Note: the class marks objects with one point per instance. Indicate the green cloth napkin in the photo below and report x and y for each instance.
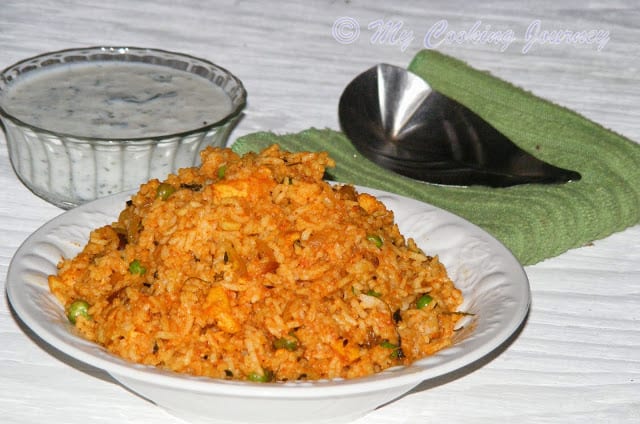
(534, 221)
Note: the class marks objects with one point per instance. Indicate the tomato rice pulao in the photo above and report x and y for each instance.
(254, 268)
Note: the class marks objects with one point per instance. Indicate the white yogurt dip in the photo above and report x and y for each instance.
(114, 118)
(116, 100)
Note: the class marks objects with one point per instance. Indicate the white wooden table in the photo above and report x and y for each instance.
(578, 357)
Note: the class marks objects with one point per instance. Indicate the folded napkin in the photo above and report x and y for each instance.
(534, 221)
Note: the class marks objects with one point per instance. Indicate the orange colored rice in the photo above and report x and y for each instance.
(255, 268)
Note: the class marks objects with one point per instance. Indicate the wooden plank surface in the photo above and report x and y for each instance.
(577, 358)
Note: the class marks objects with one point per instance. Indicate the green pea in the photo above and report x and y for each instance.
(289, 343)
(264, 377)
(423, 301)
(76, 309)
(374, 293)
(221, 171)
(376, 239)
(135, 267)
(396, 351)
(165, 190)
(388, 345)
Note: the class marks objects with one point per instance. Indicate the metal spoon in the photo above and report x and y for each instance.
(396, 120)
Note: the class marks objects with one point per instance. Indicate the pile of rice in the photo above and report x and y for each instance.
(254, 268)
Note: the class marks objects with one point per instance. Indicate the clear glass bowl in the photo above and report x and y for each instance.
(68, 170)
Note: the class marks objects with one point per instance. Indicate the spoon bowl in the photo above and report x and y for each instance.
(395, 119)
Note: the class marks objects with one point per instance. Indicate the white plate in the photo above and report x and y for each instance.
(494, 285)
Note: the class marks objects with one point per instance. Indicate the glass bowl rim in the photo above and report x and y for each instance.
(124, 50)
